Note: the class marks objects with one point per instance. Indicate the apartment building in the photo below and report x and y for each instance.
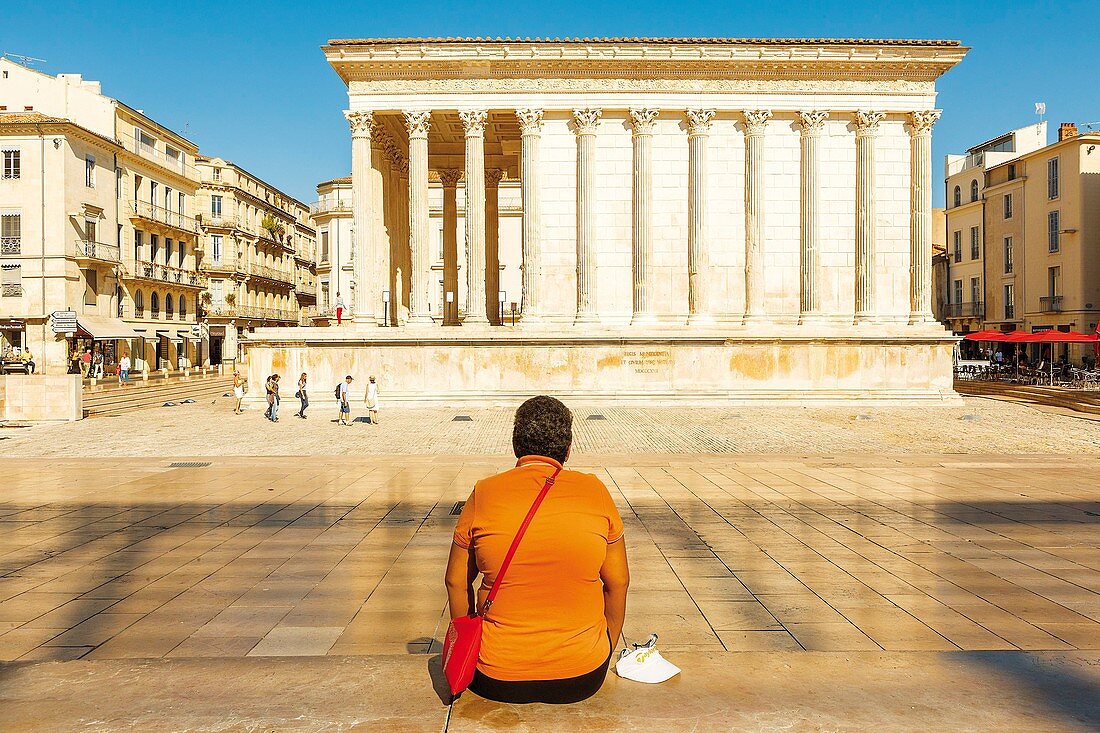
(259, 253)
(95, 215)
(1038, 218)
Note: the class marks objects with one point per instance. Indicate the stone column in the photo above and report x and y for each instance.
(417, 123)
(809, 262)
(643, 121)
(449, 177)
(920, 205)
(530, 125)
(755, 123)
(587, 121)
(362, 197)
(699, 308)
(473, 121)
(492, 242)
(867, 123)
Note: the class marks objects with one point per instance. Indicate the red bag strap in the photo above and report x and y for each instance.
(516, 540)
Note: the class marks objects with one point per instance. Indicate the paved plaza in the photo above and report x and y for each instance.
(967, 587)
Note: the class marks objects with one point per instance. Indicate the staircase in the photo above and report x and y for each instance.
(112, 398)
(1087, 402)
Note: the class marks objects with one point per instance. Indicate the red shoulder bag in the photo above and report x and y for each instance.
(463, 642)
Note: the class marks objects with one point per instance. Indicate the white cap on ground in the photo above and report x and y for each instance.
(645, 664)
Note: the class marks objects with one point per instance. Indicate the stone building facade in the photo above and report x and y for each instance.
(729, 218)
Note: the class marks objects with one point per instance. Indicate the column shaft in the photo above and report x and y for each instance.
(362, 197)
(417, 123)
(698, 255)
(492, 243)
(755, 123)
(474, 123)
(643, 121)
(450, 177)
(587, 120)
(866, 255)
(530, 121)
(920, 203)
(809, 261)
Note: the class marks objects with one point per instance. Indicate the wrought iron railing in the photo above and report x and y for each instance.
(98, 250)
(966, 310)
(167, 273)
(159, 214)
(11, 245)
(326, 205)
(1050, 304)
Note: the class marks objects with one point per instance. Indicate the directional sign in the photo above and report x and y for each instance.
(63, 321)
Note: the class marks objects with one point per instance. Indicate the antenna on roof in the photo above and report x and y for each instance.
(27, 61)
(1041, 110)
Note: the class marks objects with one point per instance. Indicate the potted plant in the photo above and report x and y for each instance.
(230, 298)
(274, 227)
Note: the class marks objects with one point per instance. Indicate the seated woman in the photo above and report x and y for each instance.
(550, 633)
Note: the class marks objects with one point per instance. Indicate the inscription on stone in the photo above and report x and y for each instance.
(648, 362)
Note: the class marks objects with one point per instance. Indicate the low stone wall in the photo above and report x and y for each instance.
(41, 397)
(684, 367)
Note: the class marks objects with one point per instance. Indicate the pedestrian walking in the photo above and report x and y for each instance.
(238, 391)
(345, 404)
(273, 398)
(302, 396)
(339, 309)
(124, 369)
(86, 363)
(97, 365)
(372, 401)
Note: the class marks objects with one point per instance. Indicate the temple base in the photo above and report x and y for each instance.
(619, 366)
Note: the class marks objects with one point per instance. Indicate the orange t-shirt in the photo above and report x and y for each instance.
(547, 621)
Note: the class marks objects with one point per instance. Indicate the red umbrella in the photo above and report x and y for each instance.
(1054, 336)
(986, 336)
(1016, 337)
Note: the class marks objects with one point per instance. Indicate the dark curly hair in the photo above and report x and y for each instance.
(544, 427)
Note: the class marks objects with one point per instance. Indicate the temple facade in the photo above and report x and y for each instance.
(727, 219)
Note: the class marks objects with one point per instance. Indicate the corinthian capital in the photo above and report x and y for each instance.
(587, 120)
(867, 121)
(644, 120)
(449, 177)
(920, 122)
(473, 121)
(698, 121)
(493, 177)
(530, 121)
(755, 120)
(360, 121)
(812, 122)
(418, 122)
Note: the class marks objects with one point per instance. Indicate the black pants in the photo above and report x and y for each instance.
(552, 692)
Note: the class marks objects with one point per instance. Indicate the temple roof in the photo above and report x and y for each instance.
(656, 40)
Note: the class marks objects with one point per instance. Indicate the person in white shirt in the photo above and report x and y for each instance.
(345, 404)
(372, 401)
(339, 309)
(124, 369)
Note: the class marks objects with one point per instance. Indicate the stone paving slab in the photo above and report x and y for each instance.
(962, 692)
(978, 426)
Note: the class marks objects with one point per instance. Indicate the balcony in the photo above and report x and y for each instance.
(168, 274)
(11, 245)
(330, 205)
(151, 152)
(86, 249)
(256, 313)
(975, 309)
(1051, 304)
(226, 265)
(225, 221)
(11, 290)
(270, 273)
(159, 215)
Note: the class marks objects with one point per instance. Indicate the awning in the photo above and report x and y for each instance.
(188, 335)
(106, 329)
(174, 338)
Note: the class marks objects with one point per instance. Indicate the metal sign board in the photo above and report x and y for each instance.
(63, 321)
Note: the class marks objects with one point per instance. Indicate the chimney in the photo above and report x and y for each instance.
(1066, 130)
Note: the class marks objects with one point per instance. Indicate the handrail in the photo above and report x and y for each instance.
(98, 250)
(164, 216)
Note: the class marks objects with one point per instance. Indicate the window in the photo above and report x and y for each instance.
(167, 251)
(173, 156)
(975, 244)
(11, 281)
(975, 290)
(216, 247)
(217, 174)
(167, 198)
(182, 202)
(154, 247)
(957, 246)
(1010, 302)
(89, 171)
(146, 142)
(181, 248)
(91, 287)
(958, 197)
(153, 192)
(1008, 206)
(958, 291)
(12, 164)
(1012, 171)
(154, 305)
(137, 187)
(11, 232)
(118, 183)
(216, 207)
(216, 295)
(324, 246)
(1054, 281)
(183, 307)
(1052, 178)
(139, 304)
(169, 306)
(1053, 231)
(974, 190)
(139, 243)
(90, 230)
(1008, 255)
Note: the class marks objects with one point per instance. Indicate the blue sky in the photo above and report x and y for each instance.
(248, 82)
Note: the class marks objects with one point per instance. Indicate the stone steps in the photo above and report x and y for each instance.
(118, 399)
(1076, 400)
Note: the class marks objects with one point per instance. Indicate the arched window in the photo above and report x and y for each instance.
(139, 304)
(154, 305)
(183, 307)
(169, 306)
(958, 196)
(974, 190)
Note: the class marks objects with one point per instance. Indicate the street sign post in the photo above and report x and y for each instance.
(63, 322)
